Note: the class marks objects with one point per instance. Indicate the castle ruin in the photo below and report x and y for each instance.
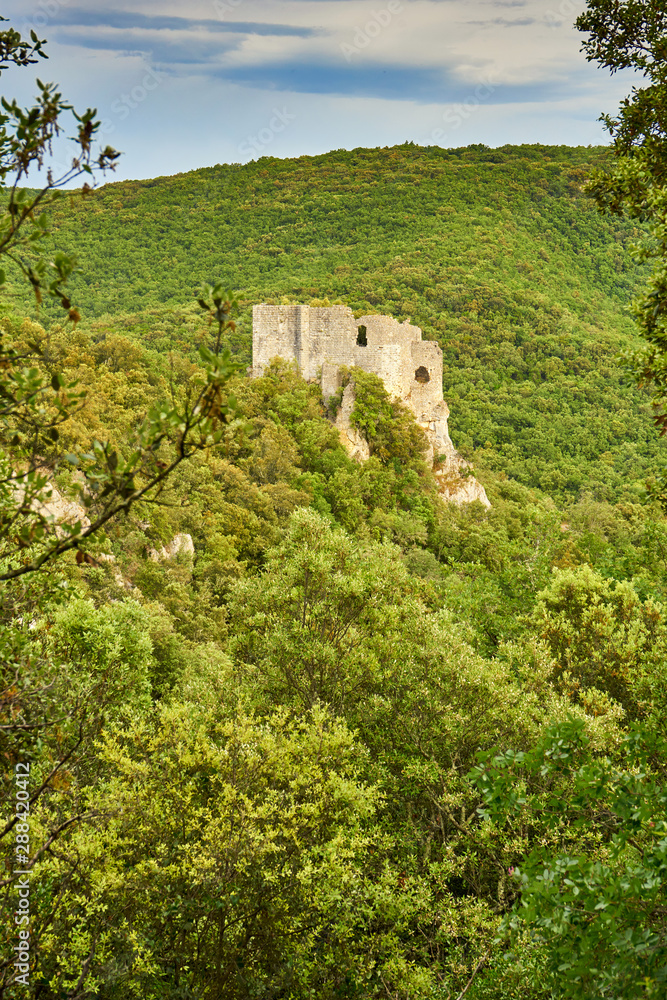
(321, 340)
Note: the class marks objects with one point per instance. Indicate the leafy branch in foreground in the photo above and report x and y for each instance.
(26, 144)
(17, 51)
(32, 404)
(633, 35)
(110, 482)
(599, 904)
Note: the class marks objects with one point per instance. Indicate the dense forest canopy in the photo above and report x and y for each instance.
(275, 707)
(281, 226)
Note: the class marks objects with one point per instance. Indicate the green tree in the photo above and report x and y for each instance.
(110, 479)
(44, 719)
(632, 34)
(340, 622)
(388, 425)
(220, 858)
(596, 904)
(603, 637)
(324, 624)
(26, 137)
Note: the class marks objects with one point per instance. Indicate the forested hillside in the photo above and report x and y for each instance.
(424, 231)
(497, 254)
(257, 697)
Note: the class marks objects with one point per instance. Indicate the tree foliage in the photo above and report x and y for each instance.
(603, 637)
(634, 35)
(223, 862)
(386, 423)
(598, 904)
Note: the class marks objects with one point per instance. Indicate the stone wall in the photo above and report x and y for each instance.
(330, 337)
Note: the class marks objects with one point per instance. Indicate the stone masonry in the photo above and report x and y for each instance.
(323, 339)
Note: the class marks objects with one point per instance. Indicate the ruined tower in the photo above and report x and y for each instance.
(323, 339)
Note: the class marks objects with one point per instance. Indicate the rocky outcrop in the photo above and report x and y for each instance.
(354, 443)
(57, 509)
(459, 486)
(455, 480)
(454, 475)
(179, 544)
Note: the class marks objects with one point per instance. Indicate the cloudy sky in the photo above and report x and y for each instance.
(185, 85)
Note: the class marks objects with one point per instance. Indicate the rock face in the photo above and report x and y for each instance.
(179, 543)
(354, 442)
(59, 510)
(322, 340)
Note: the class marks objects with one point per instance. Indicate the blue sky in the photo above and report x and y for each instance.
(223, 81)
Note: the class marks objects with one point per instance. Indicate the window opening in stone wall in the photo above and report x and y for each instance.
(361, 337)
(422, 375)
